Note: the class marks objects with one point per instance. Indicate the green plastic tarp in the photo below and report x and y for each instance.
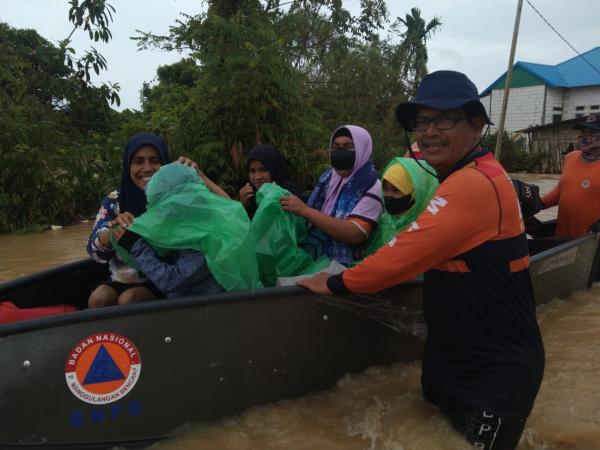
(182, 213)
(277, 234)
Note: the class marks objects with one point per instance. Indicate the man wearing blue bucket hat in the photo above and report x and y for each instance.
(484, 358)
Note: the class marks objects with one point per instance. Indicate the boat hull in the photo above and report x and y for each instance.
(200, 361)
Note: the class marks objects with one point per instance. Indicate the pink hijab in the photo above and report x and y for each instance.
(363, 145)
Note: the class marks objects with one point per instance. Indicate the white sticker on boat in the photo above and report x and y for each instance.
(560, 260)
(103, 368)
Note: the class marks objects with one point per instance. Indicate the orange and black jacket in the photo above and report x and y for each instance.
(483, 347)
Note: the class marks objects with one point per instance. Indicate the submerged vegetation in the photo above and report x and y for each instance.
(256, 72)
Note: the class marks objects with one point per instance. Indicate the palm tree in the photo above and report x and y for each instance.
(414, 46)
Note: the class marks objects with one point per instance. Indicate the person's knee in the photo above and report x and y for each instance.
(135, 295)
(102, 296)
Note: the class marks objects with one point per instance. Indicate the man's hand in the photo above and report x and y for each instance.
(246, 193)
(316, 283)
(293, 204)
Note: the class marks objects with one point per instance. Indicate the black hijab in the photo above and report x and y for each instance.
(131, 198)
(270, 157)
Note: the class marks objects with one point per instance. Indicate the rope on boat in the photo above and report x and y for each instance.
(383, 311)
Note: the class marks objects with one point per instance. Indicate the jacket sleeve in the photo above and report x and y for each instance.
(187, 269)
(552, 197)
(107, 212)
(463, 213)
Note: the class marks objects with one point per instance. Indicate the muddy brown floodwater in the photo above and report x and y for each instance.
(382, 408)
(24, 254)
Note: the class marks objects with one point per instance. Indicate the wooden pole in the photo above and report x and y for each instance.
(511, 61)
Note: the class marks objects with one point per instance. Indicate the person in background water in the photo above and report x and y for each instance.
(265, 165)
(345, 205)
(144, 154)
(180, 272)
(578, 191)
(407, 189)
(484, 359)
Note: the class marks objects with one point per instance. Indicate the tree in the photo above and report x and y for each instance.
(414, 45)
(165, 103)
(94, 16)
(367, 87)
(270, 71)
(285, 73)
(246, 92)
(49, 128)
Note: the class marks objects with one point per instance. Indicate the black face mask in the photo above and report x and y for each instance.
(342, 159)
(395, 205)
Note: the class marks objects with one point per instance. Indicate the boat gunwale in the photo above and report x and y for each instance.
(564, 246)
(88, 315)
(118, 311)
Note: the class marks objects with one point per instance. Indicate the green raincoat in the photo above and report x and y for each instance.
(183, 213)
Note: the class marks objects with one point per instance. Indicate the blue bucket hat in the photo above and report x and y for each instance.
(444, 89)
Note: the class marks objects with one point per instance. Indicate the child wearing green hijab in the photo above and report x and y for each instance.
(407, 188)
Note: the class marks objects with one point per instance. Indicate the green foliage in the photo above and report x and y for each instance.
(53, 187)
(53, 135)
(164, 104)
(513, 155)
(279, 72)
(413, 46)
(245, 92)
(367, 88)
(93, 16)
(285, 74)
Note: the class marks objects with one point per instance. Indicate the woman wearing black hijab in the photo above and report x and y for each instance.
(265, 165)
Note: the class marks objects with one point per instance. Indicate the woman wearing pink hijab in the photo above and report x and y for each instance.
(345, 204)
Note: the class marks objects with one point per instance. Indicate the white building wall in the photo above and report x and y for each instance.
(554, 104)
(525, 107)
(487, 102)
(583, 96)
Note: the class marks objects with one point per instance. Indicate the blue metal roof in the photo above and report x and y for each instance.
(574, 72)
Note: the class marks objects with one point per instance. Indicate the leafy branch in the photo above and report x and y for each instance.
(93, 16)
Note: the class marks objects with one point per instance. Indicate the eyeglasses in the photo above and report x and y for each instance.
(587, 140)
(440, 122)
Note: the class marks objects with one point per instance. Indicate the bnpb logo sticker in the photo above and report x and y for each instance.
(103, 368)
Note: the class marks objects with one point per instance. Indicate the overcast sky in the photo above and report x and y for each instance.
(475, 36)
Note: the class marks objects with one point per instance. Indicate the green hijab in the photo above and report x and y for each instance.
(424, 186)
(182, 213)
